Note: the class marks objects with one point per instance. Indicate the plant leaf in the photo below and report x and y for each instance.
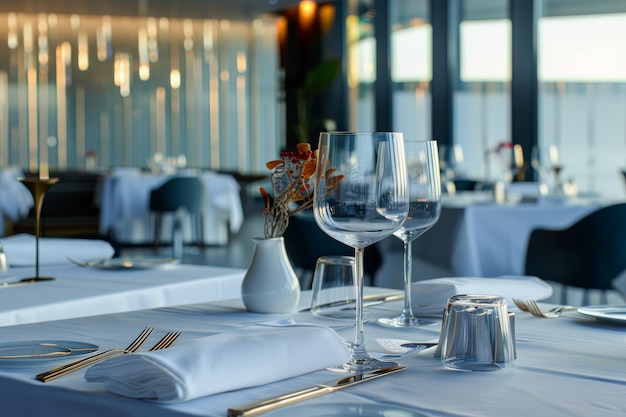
(321, 76)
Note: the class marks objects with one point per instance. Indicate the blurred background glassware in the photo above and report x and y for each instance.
(450, 159)
(476, 334)
(556, 166)
(4, 265)
(424, 187)
(333, 288)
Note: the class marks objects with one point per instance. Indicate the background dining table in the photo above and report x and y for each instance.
(79, 291)
(572, 366)
(476, 236)
(124, 195)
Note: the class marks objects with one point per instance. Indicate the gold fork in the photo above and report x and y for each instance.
(91, 359)
(167, 341)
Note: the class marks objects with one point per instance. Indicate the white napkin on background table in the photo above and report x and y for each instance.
(429, 297)
(247, 357)
(20, 249)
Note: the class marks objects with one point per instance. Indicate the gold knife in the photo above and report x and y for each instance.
(255, 409)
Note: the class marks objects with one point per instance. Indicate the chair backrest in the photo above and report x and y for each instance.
(589, 254)
(305, 242)
(179, 192)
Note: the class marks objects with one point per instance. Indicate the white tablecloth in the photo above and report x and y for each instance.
(491, 239)
(476, 237)
(124, 200)
(77, 291)
(15, 199)
(570, 367)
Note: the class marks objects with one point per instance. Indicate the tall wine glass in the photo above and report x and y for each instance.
(360, 198)
(424, 186)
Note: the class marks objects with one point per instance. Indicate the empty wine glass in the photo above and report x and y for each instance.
(424, 187)
(556, 166)
(360, 198)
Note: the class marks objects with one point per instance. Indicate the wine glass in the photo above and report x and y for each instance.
(360, 198)
(556, 166)
(424, 209)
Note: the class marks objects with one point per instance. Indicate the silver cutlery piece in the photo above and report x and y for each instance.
(90, 360)
(532, 307)
(423, 345)
(87, 264)
(255, 409)
(369, 300)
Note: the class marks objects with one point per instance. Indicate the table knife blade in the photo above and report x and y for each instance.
(368, 300)
(270, 404)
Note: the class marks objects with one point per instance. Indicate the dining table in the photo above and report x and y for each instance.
(476, 236)
(123, 197)
(79, 291)
(572, 366)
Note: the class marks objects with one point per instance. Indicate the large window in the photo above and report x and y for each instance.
(482, 99)
(411, 67)
(582, 93)
(361, 37)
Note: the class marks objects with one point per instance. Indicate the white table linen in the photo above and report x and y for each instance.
(570, 367)
(476, 237)
(218, 363)
(21, 249)
(125, 211)
(78, 291)
(491, 239)
(429, 297)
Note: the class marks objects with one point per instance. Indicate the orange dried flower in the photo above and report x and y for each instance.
(292, 183)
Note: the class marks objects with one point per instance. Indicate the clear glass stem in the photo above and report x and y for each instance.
(359, 354)
(407, 311)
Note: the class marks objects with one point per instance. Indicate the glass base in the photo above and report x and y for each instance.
(405, 321)
(37, 279)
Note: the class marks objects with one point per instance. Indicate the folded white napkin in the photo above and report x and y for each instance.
(429, 297)
(222, 362)
(20, 249)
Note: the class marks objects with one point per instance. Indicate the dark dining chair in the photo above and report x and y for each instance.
(588, 255)
(188, 193)
(305, 242)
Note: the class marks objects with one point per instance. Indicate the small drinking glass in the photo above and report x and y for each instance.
(333, 288)
(476, 334)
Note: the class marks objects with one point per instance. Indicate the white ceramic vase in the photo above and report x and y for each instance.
(270, 284)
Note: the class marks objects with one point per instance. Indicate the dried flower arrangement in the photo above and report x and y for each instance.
(292, 183)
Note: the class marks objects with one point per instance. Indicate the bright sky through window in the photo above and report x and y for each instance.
(412, 54)
(485, 51)
(586, 48)
(582, 48)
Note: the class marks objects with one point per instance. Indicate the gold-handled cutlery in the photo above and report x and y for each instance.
(255, 409)
(90, 360)
(166, 341)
